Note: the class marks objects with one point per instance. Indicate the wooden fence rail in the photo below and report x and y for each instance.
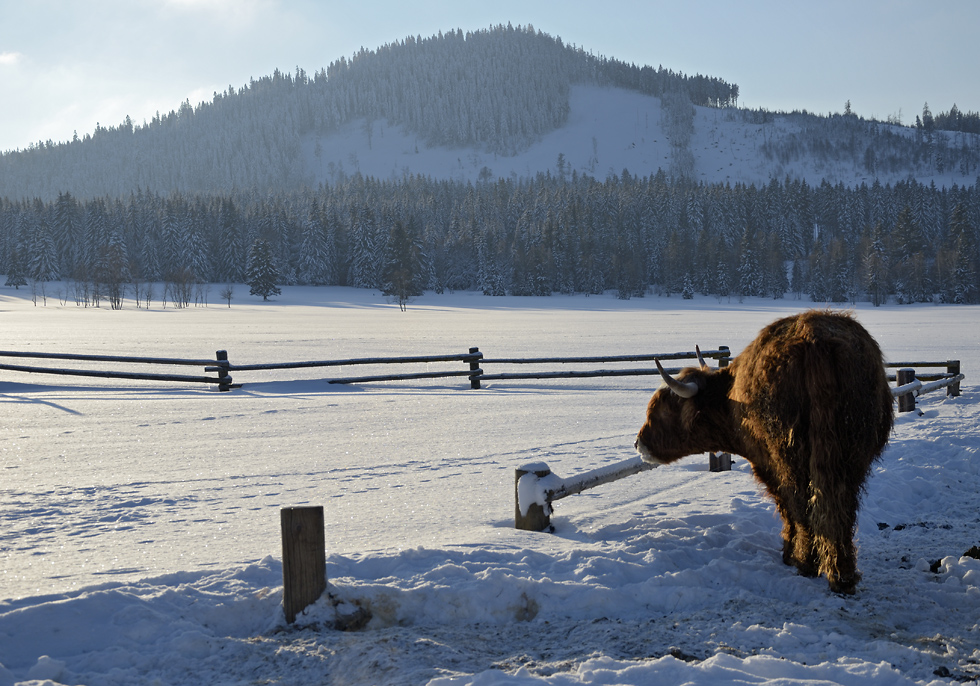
(473, 359)
(722, 355)
(223, 380)
(952, 369)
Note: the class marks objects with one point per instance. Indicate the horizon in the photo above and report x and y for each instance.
(106, 60)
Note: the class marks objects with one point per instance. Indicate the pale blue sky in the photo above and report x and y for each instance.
(67, 64)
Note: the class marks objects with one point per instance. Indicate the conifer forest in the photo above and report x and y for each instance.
(217, 194)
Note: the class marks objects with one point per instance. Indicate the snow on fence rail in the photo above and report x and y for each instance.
(909, 384)
(536, 487)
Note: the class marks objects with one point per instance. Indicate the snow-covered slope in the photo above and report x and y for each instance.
(608, 130)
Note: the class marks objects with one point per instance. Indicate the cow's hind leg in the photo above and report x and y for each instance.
(833, 517)
(798, 550)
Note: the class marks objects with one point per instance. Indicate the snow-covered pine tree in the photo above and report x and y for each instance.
(704, 276)
(403, 264)
(875, 265)
(723, 281)
(315, 258)
(841, 281)
(66, 228)
(964, 282)
(774, 276)
(750, 276)
(193, 256)
(43, 253)
(114, 267)
(797, 282)
(687, 290)
(146, 238)
(231, 249)
(261, 273)
(172, 229)
(15, 270)
(364, 250)
(908, 259)
(490, 277)
(818, 281)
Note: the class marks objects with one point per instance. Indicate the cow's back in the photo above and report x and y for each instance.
(815, 382)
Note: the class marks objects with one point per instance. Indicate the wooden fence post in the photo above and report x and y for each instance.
(906, 401)
(536, 518)
(304, 558)
(225, 383)
(719, 462)
(723, 362)
(953, 367)
(475, 368)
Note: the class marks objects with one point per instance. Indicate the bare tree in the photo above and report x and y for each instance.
(227, 293)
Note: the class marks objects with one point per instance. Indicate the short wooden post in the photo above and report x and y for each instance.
(906, 401)
(719, 462)
(304, 558)
(224, 383)
(475, 368)
(953, 367)
(536, 518)
(723, 361)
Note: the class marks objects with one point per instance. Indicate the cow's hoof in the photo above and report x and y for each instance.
(844, 586)
(807, 569)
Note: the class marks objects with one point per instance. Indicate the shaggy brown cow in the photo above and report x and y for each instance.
(807, 403)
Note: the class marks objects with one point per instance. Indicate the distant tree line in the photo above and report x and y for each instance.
(549, 234)
(954, 120)
(878, 150)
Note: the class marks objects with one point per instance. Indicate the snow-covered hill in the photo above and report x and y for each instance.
(492, 104)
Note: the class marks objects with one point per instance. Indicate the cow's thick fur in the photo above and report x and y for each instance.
(807, 403)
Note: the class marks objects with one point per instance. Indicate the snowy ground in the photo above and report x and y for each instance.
(139, 521)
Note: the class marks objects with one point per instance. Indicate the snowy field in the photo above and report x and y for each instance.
(139, 521)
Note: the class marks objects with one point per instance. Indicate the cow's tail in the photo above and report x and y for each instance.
(835, 478)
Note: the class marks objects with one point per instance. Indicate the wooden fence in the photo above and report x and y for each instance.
(475, 363)
(473, 359)
(909, 383)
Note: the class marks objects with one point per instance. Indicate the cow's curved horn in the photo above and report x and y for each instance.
(681, 388)
(704, 365)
